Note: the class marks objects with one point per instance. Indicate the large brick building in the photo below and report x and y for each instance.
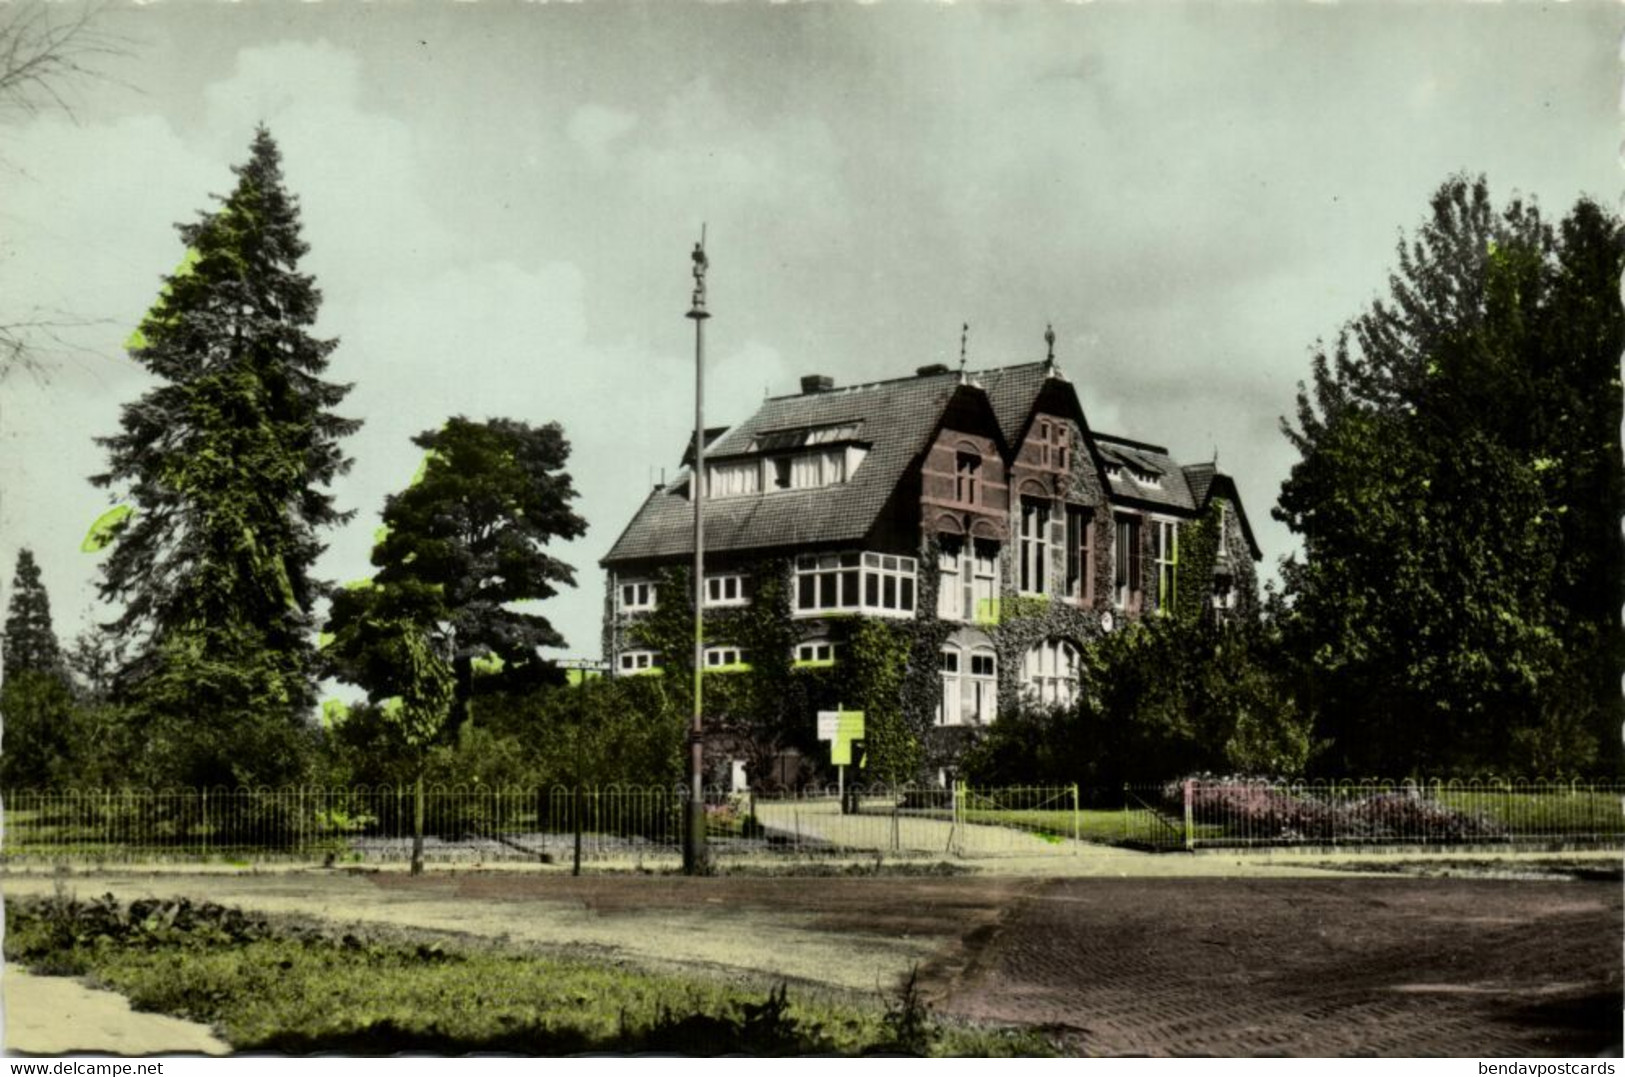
(977, 507)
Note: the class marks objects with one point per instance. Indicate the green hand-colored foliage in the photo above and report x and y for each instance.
(225, 464)
(29, 643)
(1458, 497)
(305, 990)
(476, 524)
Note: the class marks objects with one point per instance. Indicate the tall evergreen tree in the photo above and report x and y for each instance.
(1458, 497)
(226, 463)
(475, 527)
(30, 643)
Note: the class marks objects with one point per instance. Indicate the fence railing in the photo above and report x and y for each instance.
(553, 824)
(639, 824)
(1243, 812)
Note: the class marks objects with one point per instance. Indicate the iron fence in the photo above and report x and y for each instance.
(1242, 812)
(640, 825)
(634, 824)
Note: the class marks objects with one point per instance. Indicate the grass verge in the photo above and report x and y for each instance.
(272, 987)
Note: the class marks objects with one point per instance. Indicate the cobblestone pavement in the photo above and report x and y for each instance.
(1274, 966)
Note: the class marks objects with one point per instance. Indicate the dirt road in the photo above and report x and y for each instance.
(1357, 966)
(1328, 965)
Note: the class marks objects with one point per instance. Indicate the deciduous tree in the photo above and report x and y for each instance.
(1458, 497)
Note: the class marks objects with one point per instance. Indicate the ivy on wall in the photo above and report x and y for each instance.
(1198, 556)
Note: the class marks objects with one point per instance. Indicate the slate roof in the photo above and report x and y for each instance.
(1132, 457)
(897, 419)
(1199, 477)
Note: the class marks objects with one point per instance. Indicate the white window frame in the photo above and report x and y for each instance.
(818, 650)
(1165, 556)
(1034, 567)
(950, 580)
(949, 707)
(644, 595)
(631, 663)
(726, 589)
(982, 685)
(886, 585)
(1049, 672)
(723, 655)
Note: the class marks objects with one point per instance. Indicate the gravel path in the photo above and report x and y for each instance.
(48, 1015)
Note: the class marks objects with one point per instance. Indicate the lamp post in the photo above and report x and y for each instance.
(694, 853)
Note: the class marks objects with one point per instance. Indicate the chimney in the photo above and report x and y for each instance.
(817, 383)
(929, 369)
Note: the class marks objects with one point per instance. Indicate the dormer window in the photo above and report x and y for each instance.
(783, 471)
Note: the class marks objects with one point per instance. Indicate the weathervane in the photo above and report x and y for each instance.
(1049, 338)
(964, 335)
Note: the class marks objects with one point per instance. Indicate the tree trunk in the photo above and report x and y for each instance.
(417, 826)
(462, 669)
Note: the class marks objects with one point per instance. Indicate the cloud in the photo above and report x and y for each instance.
(595, 127)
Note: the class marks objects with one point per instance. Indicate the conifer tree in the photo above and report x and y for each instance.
(30, 644)
(225, 464)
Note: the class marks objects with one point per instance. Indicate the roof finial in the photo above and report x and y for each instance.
(964, 335)
(1049, 338)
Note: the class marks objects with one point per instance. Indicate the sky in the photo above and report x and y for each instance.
(500, 200)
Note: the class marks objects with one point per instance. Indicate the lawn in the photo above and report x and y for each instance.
(299, 989)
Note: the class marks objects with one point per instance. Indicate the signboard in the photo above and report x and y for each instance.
(828, 723)
(840, 728)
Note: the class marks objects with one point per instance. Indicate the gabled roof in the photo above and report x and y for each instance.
(898, 418)
(1207, 482)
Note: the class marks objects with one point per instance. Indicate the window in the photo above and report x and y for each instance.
(1127, 562)
(640, 662)
(724, 657)
(970, 581)
(1034, 545)
(815, 652)
(1224, 531)
(868, 582)
(1165, 552)
(969, 686)
(982, 689)
(725, 591)
(1043, 440)
(1049, 672)
(733, 480)
(967, 475)
(1224, 593)
(948, 711)
(639, 595)
(950, 585)
(771, 440)
(985, 587)
(1080, 562)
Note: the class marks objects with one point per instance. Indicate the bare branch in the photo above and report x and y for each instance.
(42, 51)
